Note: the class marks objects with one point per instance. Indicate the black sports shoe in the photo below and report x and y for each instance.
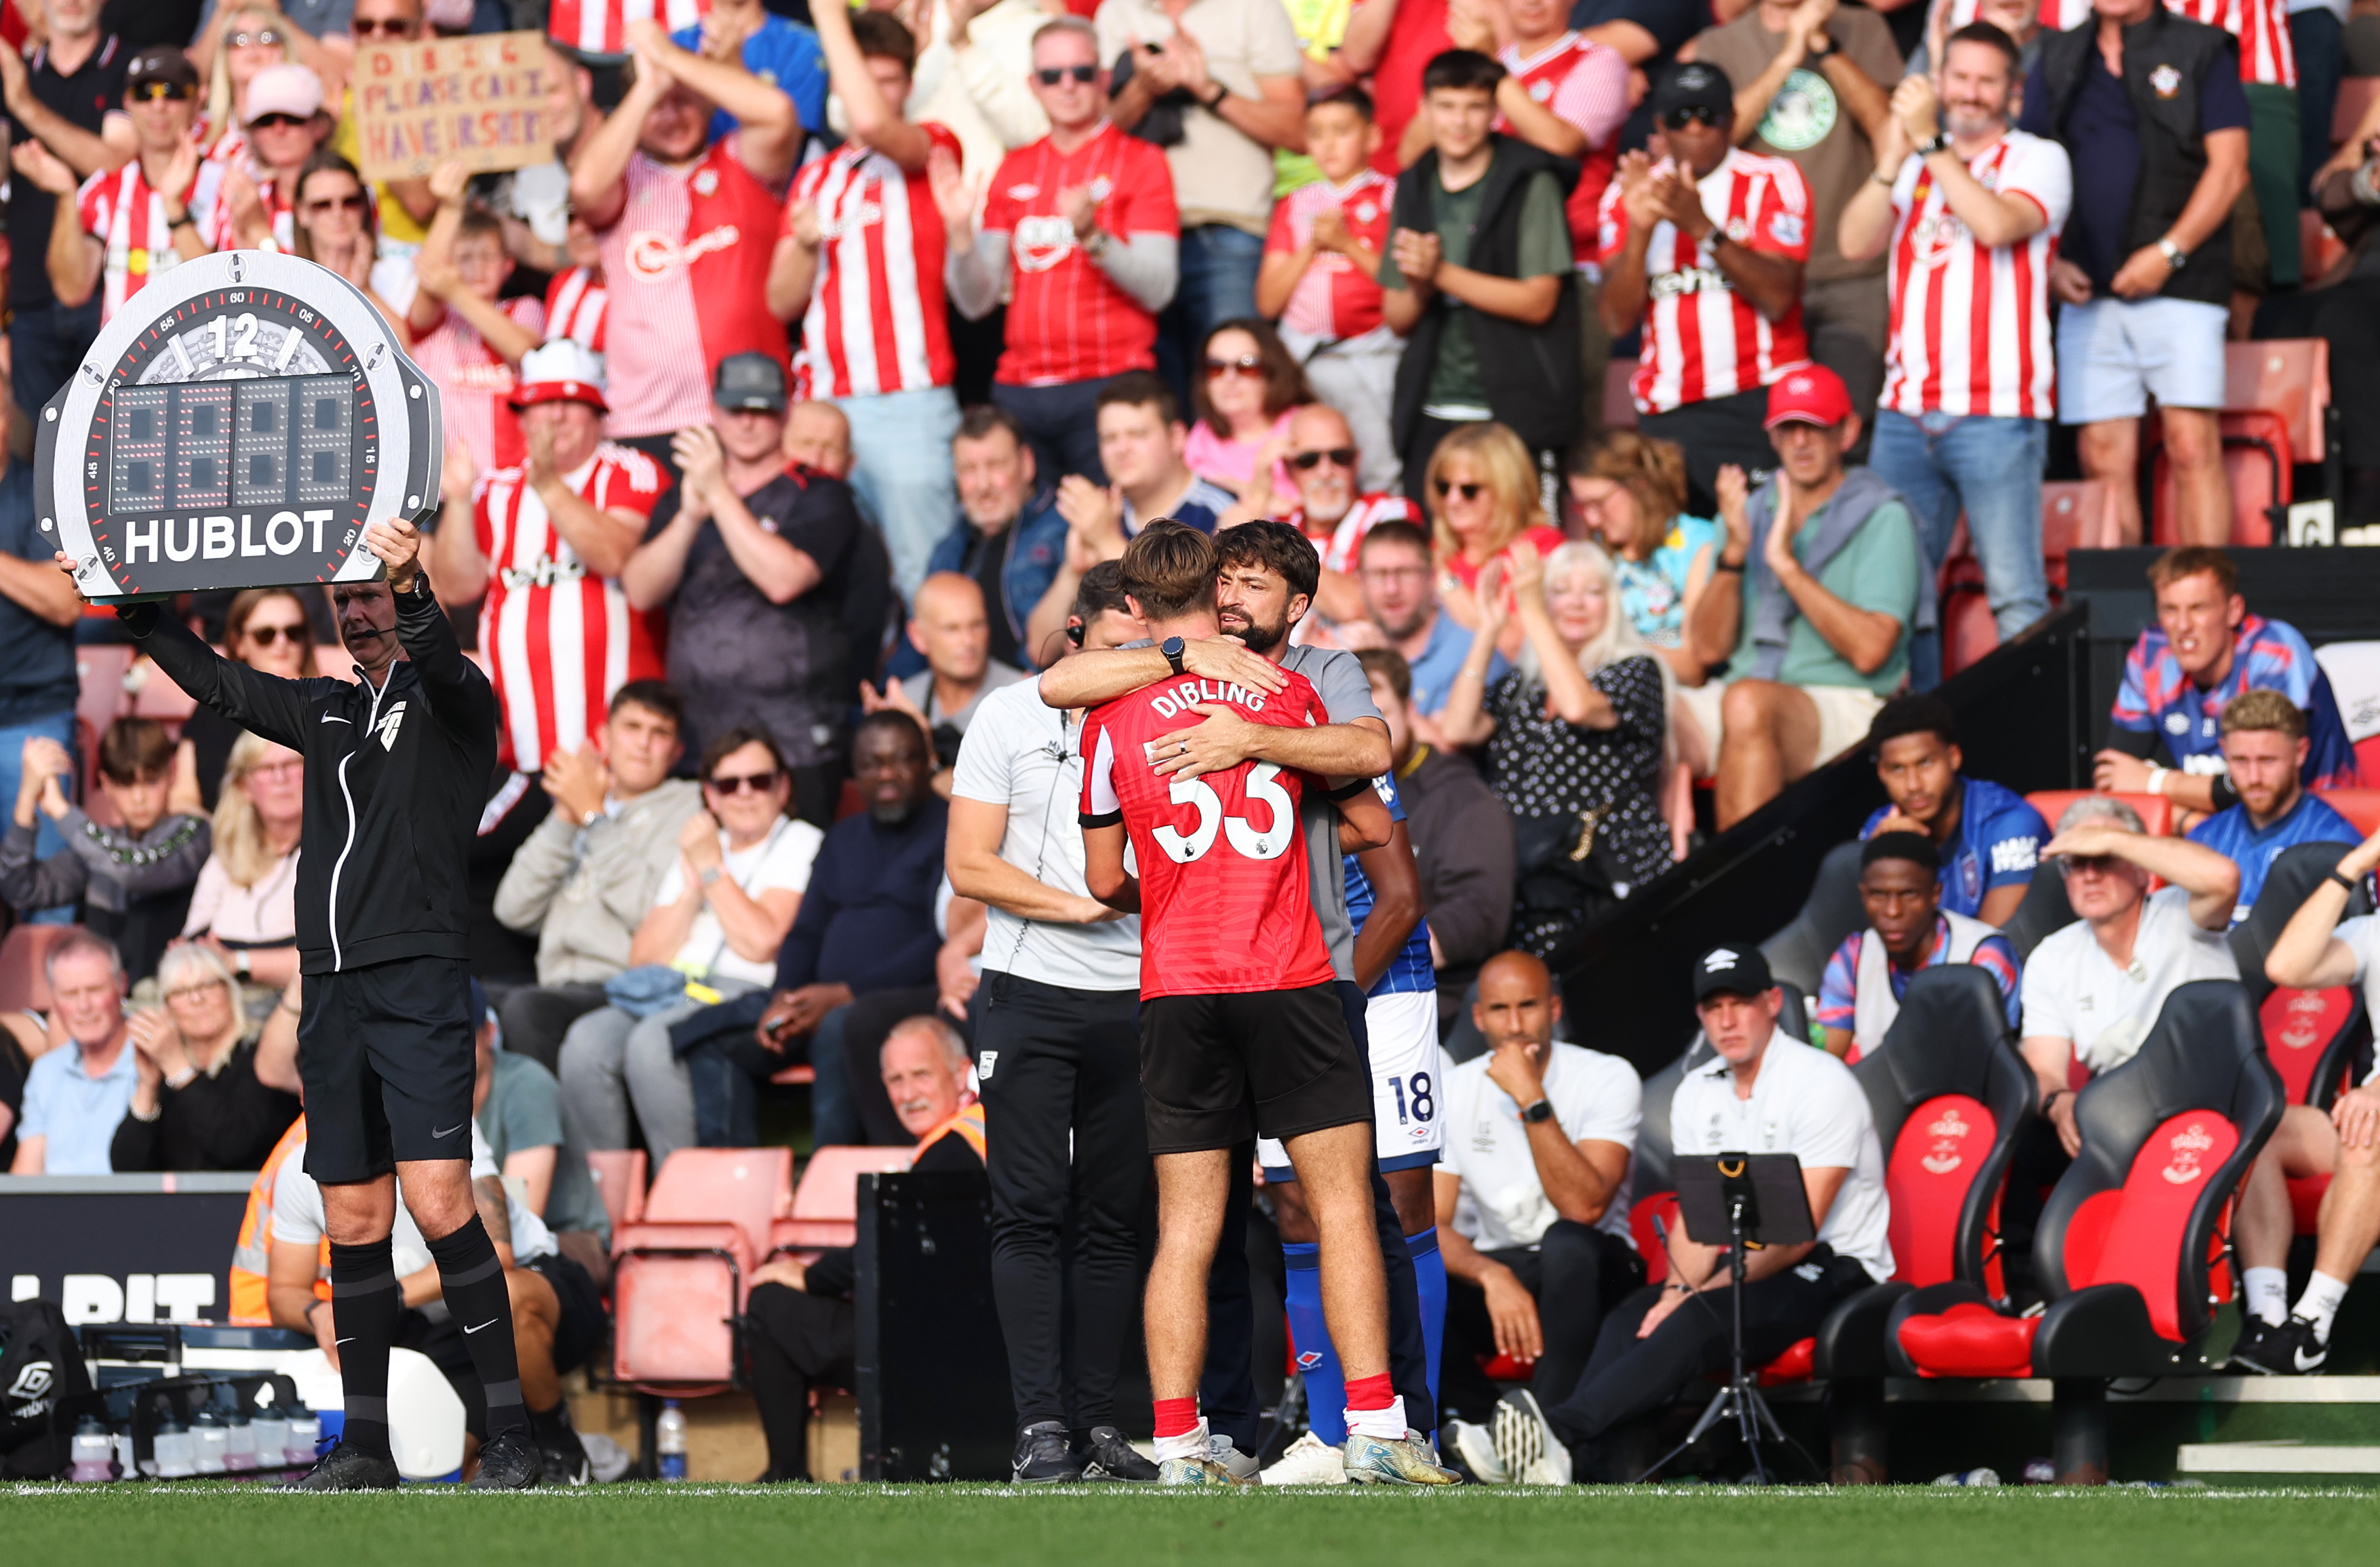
(564, 1458)
(347, 1469)
(509, 1462)
(1042, 1456)
(2293, 1349)
(1107, 1456)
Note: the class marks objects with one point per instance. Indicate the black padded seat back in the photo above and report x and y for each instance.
(2045, 909)
(2300, 869)
(1798, 953)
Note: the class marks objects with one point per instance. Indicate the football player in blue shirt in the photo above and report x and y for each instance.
(1988, 837)
(2264, 748)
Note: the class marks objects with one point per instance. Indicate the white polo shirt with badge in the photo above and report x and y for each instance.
(1504, 1207)
(2073, 989)
(1807, 1104)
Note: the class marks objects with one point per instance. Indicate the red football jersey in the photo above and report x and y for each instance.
(1224, 906)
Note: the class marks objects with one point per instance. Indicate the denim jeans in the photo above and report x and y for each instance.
(901, 466)
(45, 343)
(59, 727)
(1942, 464)
(1219, 283)
(1062, 421)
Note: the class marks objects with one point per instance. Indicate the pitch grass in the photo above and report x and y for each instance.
(993, 1525)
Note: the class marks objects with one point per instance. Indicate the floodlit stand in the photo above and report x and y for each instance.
(1751, 1199)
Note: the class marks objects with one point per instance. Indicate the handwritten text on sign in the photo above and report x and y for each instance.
(480, 98)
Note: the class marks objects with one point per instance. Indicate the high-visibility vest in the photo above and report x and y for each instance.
(251, 1258)
(968, 1123)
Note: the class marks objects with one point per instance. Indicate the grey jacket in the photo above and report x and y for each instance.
(106, 866)
(585, 890)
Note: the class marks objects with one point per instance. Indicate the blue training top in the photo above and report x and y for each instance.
(2230, 833)
(1409, 970)
(2000, 836)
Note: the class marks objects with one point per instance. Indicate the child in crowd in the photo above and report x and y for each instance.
(468, 337)
(1321, 273)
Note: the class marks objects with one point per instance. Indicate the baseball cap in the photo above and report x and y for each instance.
(1695, 86)
(285, 88)
(749, 381)
(1737, 970)
(160, 62)
(559, 371)
(1811, 395)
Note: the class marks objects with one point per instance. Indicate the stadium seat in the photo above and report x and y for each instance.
(2075, 514)
(681, 1271)
(799, 1073)
(2155, 811)
(2319, 245)
(826, 1204)
(2289, 377)
(1798, 953)
(100, 700)
(2361, 806)
(2257, 455)
(156, 697)
(23, 983)
(2044, 910)
(2131, 1250)
(2356, 94)
(1619, 408)
(619, 1177)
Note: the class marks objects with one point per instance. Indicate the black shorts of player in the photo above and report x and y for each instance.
(1217, 1071)
(388, 1058)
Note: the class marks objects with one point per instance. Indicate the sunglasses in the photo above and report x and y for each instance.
(736, 783)
(268, 36)
(265, 636)
(2095, 865)
(1446, 487)
(1083, 76)
(356, 203)
(1337, 456)
(380, 26)
(1697, 114)
(151, 92)
(274, 122)
(1246, 364)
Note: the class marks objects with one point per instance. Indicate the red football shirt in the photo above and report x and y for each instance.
(1224, 907)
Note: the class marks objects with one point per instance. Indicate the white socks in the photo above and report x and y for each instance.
(2320, 1303)
(1383, 1425)
(1192, 1444)
(2269, 1294)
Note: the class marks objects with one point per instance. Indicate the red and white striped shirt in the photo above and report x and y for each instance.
(1067, 320)
(876, 321)
(1334, 300)
(1347, 539)
(574, 308)
(1702, 339)
(475, 384)
(2261, 26)
(1971, 322)
(1585, 85)
(601, 27)
(560, 639)
(119, 209)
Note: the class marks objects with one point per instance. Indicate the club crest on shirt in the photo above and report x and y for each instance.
(1366, 212)
(866, 215)
(1024, 192)
(1041, 242)
(2167, 80)
(1541, 91)
(2177, 723)
(706, 183)
(1101, 187)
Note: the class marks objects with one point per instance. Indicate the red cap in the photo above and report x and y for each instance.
(1810, 395)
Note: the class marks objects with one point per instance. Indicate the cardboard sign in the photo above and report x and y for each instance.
(480, 99)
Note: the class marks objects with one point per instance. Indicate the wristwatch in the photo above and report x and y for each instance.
(2175, 256)
(1542, 1110)
(241, 964)
(1172, 647)
(1941, 143)
(1215, 102)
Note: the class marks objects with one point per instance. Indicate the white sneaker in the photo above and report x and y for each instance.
(1242, 1466)
(1532, 1453)
(1308, 1462)
(1476, 1446)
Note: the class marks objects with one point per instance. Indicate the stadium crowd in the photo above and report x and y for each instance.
(812, 416)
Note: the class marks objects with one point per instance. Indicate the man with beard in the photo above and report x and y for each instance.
(1400, 611)
(2264, 746)
(1972, 211)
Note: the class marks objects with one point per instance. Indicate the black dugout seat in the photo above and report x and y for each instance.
(1798, 953)
(2133, 1247)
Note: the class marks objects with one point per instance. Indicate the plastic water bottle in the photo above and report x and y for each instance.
(669, 1437)
(305, 1437)
(239, 1453)
(268, 1437)
(94, 1451)
(210, 1442)
(175, 1451)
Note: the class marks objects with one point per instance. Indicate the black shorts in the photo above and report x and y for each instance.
(579, 1332)
(388, 1058)
(1217, 1071)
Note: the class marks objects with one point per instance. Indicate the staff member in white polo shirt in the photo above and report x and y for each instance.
(2093, 990)
(1532, 1191)
(1058, 1054)
(1763, 1093)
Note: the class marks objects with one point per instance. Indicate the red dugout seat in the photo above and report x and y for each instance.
(2155, 811)
(2131, 1250)
(619, 1177)
(2361, 806)
(681, 1271)
(826, 1205)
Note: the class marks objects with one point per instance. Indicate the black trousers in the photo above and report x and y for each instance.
(1062, 423)
(535, 1017)
(1714, 433)
(1227, 1390)
(796, 1339)
(1628, 1378)
(1577, 1274)
(1066, 1135)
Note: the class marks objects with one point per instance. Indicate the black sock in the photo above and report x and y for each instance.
(472, 1278)
(365, 1306)
(551, 1422)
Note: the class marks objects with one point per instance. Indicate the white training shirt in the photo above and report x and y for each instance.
(781, 860)
(1023, 754)
(297, 1213)
(1807, 1104)
(2362, 934)
(1504, 1204)
(2073, 991)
